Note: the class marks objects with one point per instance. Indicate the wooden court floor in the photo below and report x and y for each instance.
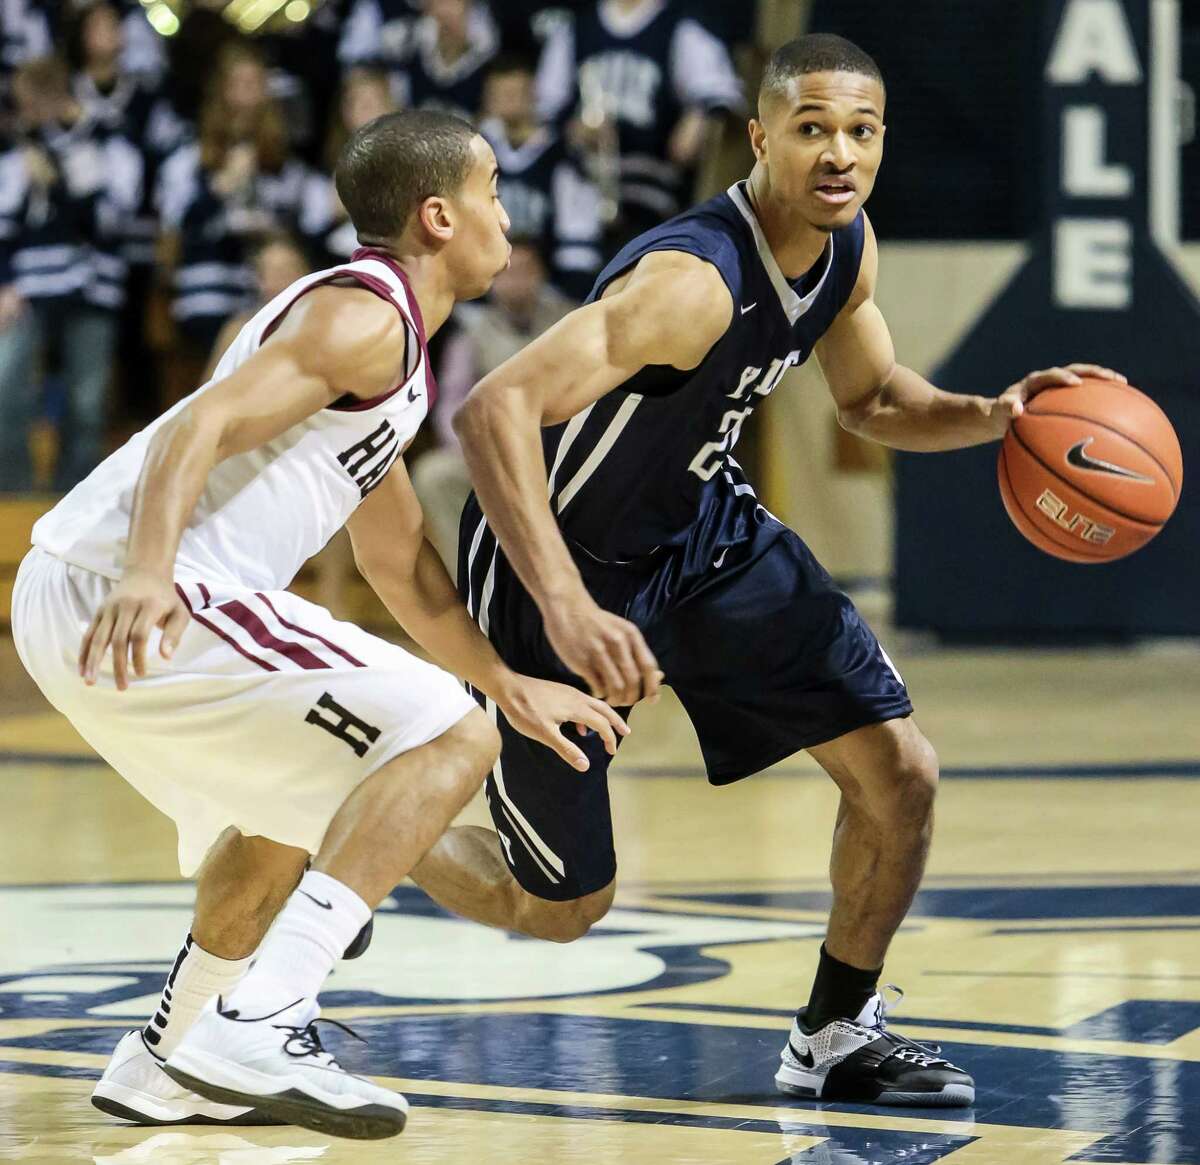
(1054, 951)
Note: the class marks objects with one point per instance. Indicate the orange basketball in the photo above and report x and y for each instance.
(1090, 473)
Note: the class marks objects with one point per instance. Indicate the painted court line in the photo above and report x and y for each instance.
(1178, 770)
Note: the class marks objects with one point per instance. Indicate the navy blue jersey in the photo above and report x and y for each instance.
(643, 70)
(649, 462)
(628, 75)
(451, 86)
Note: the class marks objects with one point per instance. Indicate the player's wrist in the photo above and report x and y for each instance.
(148, 572)
(562, 597)
(502, 686)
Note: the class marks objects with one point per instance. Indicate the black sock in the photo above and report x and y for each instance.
(839, 991)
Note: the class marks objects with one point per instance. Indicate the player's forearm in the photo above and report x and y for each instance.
(501, 441)
(423, 600)
(179, 458)
(910, 413)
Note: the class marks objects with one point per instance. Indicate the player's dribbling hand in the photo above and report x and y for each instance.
(134, 607)
(1010, 404)
(607, 652)
(538, 708)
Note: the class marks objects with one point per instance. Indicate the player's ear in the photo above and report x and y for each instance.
(758, 139)
(436, 219)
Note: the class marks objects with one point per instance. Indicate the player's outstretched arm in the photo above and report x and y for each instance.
(332, 342)
(889, 403)
(670, 309)
(404, 570)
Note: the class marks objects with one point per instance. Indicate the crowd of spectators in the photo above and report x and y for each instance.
(154, 190)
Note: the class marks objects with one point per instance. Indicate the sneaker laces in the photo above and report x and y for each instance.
(920, 1055)
(307, 1041)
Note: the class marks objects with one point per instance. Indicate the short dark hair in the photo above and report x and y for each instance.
(393, 163)
(815, 53)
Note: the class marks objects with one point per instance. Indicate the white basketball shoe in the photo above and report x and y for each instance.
(135, 1088)
(860, 1060)
(275, 1063)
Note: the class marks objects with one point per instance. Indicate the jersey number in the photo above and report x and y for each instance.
(753, 384)
(712, 455)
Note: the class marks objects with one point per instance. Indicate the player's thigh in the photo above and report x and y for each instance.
(769, 658)
(554, 822)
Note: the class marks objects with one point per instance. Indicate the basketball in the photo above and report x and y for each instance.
(1090, 472)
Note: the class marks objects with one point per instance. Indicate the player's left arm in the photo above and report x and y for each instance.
(406, 572)
(886, 402)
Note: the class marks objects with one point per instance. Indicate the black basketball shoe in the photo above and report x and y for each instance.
(860, 1060)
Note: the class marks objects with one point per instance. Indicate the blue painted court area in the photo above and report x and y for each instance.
(1144, 1107)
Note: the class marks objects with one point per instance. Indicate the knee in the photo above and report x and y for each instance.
(564, 922)
(268, 873)
(476, 747)
(916, 781)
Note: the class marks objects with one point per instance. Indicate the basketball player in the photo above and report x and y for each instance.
(264, 728)
(648, 554)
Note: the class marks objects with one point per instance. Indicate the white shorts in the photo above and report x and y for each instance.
(266, 718)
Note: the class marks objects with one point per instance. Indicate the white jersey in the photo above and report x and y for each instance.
(264, 513)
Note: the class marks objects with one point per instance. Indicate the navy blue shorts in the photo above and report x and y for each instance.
(766, 655)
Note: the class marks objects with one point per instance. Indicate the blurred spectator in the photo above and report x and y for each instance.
(130, 104)
(301, 58)
(279, 260)
(365, 95)
(379, 32)
(124, 103)
(452, 44)
(203, 36)
(542, 185)
(68, 185)
(647, 69)
(143, 51)
(217, 196)
(521, 307)
(24, 32)
(525, 24)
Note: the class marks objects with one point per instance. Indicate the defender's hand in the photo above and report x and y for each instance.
(606, 651)
(1010, 404)
(134, 607)
(537, 709)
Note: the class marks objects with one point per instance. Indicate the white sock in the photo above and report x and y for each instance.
(196, 977)
(313, 930)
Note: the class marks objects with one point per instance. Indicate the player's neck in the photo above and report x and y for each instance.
(429, 281)
(794, 242)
